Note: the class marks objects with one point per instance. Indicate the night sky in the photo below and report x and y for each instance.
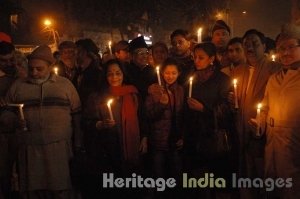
(266, 16)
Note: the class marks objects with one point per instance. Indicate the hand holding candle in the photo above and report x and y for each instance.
(109, 109)
(258, 119)
(191, 86)
(158, 75)
(22, 118)
(236, 105)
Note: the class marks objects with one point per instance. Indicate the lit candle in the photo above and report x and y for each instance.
(199, 35)
(55, 70)
(191, 86)
(273, 57)
(158, 75)
(258, 119)
(236, 105)
(109, 109)
(109, 47)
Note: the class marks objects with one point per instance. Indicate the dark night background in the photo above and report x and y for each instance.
(116, 19)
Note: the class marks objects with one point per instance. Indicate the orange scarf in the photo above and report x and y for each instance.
(129, 119)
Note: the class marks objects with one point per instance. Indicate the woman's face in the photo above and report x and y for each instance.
(114, 75)
(201, 59)
(170, 74)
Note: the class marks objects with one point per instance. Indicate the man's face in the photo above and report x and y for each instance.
(235, 53)
(67, 54)
(288, 51)
(220, 38)
(38, 69)
(180, 45)
(7, 63)
(253, 47)
(159, 54)
(140, 57)
(123, 55)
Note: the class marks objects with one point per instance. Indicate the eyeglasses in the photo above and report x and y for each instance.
(288, 48)
(142, 52)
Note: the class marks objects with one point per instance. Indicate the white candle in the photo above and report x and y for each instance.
(109, 47)
(55, 70)
(273, 57)
(158, 75)
(191, 86)
(236, 105)
(21, 111)
(258, 119)
(199, 35)
(109, 109)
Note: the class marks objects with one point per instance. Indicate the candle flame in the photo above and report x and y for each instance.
(109, 43)
(21, 105)
(109, 102)
(199, 30)
(55, 70)
(234, 81)
(259, 106)
(191, 78)
(157, 68)
(273, 57)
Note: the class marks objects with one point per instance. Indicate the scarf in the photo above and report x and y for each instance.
(129, 118)
(204, 74)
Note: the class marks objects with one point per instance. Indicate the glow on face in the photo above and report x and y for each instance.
(114, 75)
(170, 74)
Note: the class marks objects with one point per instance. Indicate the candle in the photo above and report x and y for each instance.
(55, 70)
(199, 35)
(109, 109)
(158, 75)
(273, 57)
(258, 119)
(236, 105)
(109, 47)
(191, 86)
(21, 111)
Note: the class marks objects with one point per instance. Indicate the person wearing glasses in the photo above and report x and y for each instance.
(280, 111)
(140, 73)
(252, 79)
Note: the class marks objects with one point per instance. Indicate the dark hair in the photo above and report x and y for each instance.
(6, 48)
(122, 68)
(257, 33)
(88, 45)
(160, 44)
(181, 32)
(210, 49)
(170, 61)
(234, 41)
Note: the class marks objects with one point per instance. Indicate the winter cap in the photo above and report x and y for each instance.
(5, 37)
(136, 43)
(66, 44)
(220, 24)
(42, 52)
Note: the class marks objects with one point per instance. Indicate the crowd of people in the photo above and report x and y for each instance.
(153, 111)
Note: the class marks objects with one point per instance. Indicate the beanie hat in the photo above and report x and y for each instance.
(5, 37)
(220, 24)
(42, 52)
(289, 31)
(136, 43)
(66, 44)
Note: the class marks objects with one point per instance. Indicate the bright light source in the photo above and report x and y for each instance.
(244, 12)
(47, 22)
